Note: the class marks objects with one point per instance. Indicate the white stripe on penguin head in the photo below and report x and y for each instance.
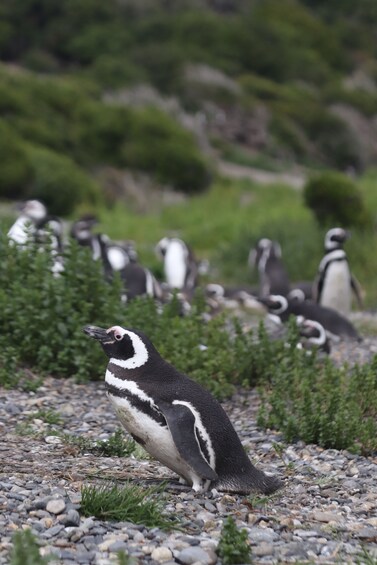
(140, 356)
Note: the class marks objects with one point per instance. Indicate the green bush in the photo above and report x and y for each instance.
(16, 172)
(335, 199)
(43, 316)
(59, 182)
(320, 403)
(25, 550)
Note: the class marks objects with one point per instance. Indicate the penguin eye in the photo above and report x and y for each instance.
(118, 336)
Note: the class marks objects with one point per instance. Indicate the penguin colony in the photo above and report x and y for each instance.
(327, 300)
(172, 417)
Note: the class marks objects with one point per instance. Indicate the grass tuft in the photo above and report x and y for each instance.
(129, 503)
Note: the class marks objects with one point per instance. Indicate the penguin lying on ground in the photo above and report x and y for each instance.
(313, 336)
(280, 308)
(334, 284)
(266, 257)
(174, 418)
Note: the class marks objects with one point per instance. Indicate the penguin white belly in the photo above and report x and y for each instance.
(175, 265)
(21, 231)
(117, 258)
(336, 291)
(156, 440)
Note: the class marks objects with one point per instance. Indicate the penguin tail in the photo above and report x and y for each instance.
(256, 481)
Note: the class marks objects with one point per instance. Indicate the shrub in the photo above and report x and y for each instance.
(233, 546)
(59, 182)
(320, 403)
(16, 172)
(335, 199)
(25, 550)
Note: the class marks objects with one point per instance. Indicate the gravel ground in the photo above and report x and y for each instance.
(326, 513)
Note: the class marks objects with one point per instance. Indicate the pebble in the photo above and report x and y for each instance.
(55, 506)
(161, 554)
(326, 513)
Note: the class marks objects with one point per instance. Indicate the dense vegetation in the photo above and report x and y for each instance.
(281, 75)
(41, 330)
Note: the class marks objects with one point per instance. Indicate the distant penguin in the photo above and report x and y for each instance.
(176, 420)
(301, 290)
(24, 228)
(50, 233)
(231, 297)
(180, 266)
(280, 308)
(139, 281)
(266, 257)
(334, 284)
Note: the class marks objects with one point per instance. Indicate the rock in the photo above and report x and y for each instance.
(55, 506)
(72, 518)
(263, 549)
(325, 517)
(195, 554)
(161, 554)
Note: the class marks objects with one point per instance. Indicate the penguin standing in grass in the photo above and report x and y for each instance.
(180, 267)
(334, 284)
(174, 418)
(24, 229)
(273, 277)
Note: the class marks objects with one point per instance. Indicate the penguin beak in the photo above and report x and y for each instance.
(96, 333)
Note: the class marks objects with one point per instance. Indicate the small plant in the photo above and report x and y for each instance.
(130, 503)
(366, 558)
(116, 446)
(25, 550)
(233, 546)
(48, 416)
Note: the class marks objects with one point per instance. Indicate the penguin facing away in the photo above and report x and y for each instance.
(273, 277)
(335, 283)
(176, 420)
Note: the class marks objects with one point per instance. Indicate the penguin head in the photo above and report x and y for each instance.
(314, 333)
(33, 209)
(81, 230)
(335, 238)
(128, 347)
(275, 303)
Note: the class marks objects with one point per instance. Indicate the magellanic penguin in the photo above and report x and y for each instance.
(24, 228)
(313, 336)
(334, 284)
(280, 308)
(174, 418)
(266, 257)
(180, 266)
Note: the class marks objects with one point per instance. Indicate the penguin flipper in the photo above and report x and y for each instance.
(181, 423)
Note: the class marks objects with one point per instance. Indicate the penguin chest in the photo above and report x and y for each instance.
(336, 291)
(153, 435)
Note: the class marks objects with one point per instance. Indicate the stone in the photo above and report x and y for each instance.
(325, 517)
(191, 555)
(55, 506)
(161, 554)
(72, 518)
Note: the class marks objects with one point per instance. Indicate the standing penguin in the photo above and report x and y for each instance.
(24, 229)
(273, 278)
(174, 418)
(180, 266)
(334, 283)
